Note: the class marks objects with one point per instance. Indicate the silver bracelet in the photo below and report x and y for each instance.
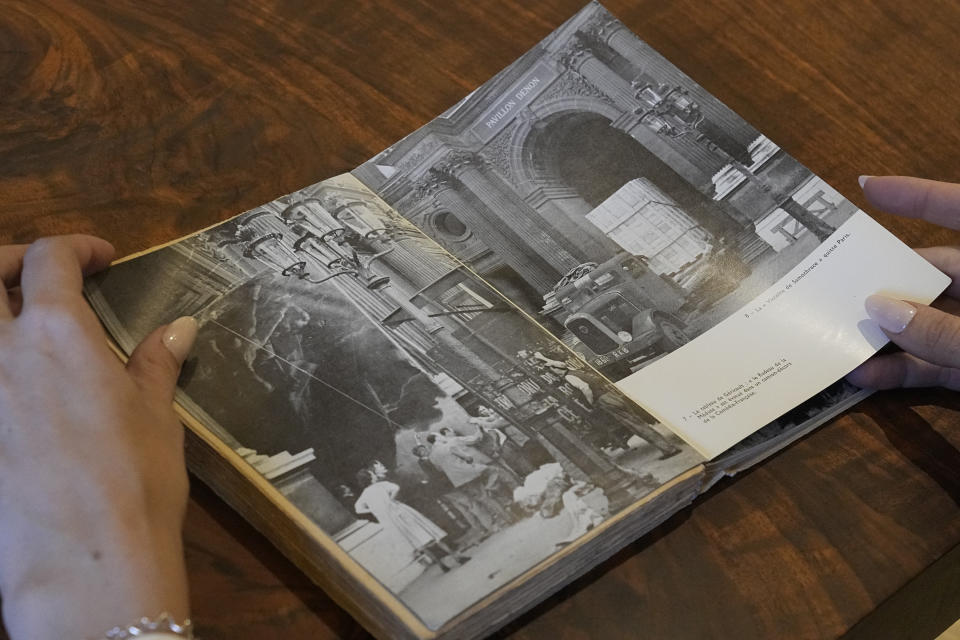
(163, 623)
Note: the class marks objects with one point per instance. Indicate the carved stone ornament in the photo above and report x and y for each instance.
(570, 85)
(434, 180)
(500, 153)
(445, 173)
(573, 54)
(459, 159)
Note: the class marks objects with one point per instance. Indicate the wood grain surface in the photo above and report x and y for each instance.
(143, 121)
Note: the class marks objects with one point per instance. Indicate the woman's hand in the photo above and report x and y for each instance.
(929, 336)
(93, 486)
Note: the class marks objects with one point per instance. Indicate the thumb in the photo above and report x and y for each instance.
(155, 363)
(925, 332)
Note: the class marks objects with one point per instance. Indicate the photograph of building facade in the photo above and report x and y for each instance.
(592, 171)
(406, 407)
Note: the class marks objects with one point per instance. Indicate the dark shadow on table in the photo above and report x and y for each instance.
(914, 437)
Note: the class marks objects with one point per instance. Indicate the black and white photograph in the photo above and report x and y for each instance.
(607, 194)
(440, 437)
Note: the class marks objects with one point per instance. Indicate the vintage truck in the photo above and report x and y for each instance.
(621, 311)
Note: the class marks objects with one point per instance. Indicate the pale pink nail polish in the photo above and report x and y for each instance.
(863, 180)
(180, 336)
(891, 314)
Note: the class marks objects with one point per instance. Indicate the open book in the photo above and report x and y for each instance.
(453, 380)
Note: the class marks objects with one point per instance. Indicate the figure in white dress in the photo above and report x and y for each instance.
(551, 491)
(582, 516)
(424, 537)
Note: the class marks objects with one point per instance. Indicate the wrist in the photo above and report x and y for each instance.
(121, 574)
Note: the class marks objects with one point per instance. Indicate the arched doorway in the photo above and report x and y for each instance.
(582, 152)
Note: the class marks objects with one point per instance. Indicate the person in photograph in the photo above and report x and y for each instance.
(480, 523)
(489, 440)
(551, 492)
(432, 474)
(613, 403)
(572, 376)
(379, 470)
(498, 441)
(471, 472)
(499, 479)
(583, 516)
(617, 406)
(378, 497)
(429, 496)
(489, 425)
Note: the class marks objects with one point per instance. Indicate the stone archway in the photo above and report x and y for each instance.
(529, 130)
(584, 152)
(568, 156)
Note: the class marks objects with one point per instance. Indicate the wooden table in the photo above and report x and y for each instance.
(143, 121)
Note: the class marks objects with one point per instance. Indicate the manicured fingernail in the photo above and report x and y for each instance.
(180, 336)
(863, 180)
(891, 314)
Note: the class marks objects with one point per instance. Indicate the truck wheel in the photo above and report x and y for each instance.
(617, 370)
(672, 334)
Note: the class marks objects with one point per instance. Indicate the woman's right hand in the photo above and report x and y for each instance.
(928, 335)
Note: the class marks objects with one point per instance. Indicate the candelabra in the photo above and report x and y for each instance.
(306, 242)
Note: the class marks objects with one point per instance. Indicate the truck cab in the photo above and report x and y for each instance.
(622, 311)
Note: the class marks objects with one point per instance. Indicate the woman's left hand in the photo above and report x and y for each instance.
(93, 486)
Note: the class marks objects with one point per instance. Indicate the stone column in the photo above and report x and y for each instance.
(413, 254)
(513, 211)
(498, 235)
(581, 58)
(559, 204)
(442, 335)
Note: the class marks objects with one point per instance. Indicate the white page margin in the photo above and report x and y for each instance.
(818, 325)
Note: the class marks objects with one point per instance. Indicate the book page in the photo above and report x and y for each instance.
(807, 330)
(630, 212)
(443, 440)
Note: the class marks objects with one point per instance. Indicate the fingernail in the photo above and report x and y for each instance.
(180, 336)
(863, 180)
(891, 314)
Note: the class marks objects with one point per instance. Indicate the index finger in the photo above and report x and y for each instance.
(53, 268)
(922, 331)
(936, 202)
